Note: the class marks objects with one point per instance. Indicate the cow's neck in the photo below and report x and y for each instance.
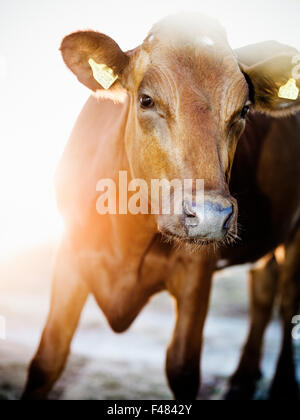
(128, 236)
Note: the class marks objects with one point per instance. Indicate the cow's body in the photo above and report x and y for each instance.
(186, 99)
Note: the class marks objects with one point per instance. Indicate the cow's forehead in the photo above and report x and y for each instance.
(190, 40)
(187, 29)
(189, 55)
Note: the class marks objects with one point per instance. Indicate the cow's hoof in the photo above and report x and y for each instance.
(284, 390)
(243, 386)
(241, 392)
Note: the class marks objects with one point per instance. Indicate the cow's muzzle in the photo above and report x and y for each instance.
(210, 221)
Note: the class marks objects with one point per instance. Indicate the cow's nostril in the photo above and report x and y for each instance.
(229, 218)
(189, 211)
(190, 217)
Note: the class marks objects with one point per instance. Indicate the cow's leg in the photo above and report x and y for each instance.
(191, 290)
(263, 290)
(69, 295)
(285, 386)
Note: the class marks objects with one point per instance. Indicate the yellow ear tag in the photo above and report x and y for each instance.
(104, 75)
(289, 90)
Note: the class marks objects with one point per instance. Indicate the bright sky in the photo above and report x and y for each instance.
(40, 99)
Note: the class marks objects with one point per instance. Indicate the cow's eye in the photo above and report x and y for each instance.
(245, 111)
(146, 102)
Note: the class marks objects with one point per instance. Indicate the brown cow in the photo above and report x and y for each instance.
(265, 181)
(185, 106)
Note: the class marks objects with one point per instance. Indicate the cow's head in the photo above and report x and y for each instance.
(189, 95)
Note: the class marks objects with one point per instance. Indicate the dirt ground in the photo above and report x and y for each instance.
(104, 365)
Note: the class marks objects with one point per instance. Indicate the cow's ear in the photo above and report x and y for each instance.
(96, 59)
(272, 70)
